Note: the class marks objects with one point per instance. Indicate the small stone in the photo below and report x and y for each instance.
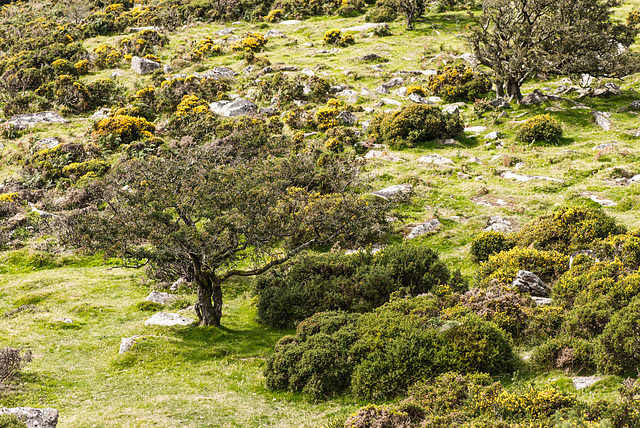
(224, 32)
(400, 92)
(475, 129)
(347, 118)
(524, 178)
(176, 285)
(419, 99)
(168, 319)
(542, 301)
(520, 165)
(450, 142)
(160, 297)
(347, 93)
(424, 228)
(606, 146)
(167, 69)
(237, 107)
(602, 119)
(275, 33)
(66, 320)
(434, 159)
(475, 159)
(47, 143)
(635, 105)
(492, 136)
(392, 191)
(290, 22)
(498, 224)
(391, 102)
(536, 97)
(367, 27)
(602, 201)
(585, 381)
(463, 176)
(126, 343)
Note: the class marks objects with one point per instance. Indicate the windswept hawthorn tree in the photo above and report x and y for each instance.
(519, 38)
(214, 212)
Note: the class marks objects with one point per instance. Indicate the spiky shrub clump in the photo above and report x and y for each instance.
(540, 129)
(414, 125)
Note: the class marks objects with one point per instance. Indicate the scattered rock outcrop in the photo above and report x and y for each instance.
(424, 228)
(237, 107)
(392, 191)
(160, 297)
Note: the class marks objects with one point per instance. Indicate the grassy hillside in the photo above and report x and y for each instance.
(213, 377)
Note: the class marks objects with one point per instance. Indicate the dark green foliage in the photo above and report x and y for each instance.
(353, 283)
(414, 125)
(564, 352)
(618, 347)
(569, 229)
(485, 244)
(588, 320)
(505, 307)
(541, 128)
(11, 421)
(315, 360)
(383, 11)
(394, 350)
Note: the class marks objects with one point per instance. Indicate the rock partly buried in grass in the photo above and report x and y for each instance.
(585, 381)
(536, 97)
(373, 58)
(524, 178)
(384, 88)
(498, 224)
(32, 417)
(528, 282)
(347, 118)
(47, 143)
(368, 27)
(217, 73)
(167, 319)
(434, 159)
(143, 65)
(542, 301)
(602, 201)
(475, 129)
(160, 297)
(419, 99)
(237, 107)
(602, 119)
(126, 343)
(424, 228)
(28, 120)
(635, 105)
(290, 22)
(392, 191)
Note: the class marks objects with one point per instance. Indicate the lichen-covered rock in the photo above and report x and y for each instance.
(33, 417)
(28, 120)
(528, 282)
(143, 65)
(166, 319)
(237, 107)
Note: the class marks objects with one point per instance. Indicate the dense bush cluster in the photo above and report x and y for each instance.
(382, 353)
(358, 282)
(414, 125)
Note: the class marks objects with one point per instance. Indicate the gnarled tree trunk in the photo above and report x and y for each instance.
(209, 304)
(513, 90)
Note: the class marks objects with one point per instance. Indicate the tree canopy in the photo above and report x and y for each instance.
(519, 38)
(210, 213)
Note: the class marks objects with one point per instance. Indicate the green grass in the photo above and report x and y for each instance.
(189, 376)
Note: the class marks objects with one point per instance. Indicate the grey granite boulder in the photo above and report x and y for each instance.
(347, 118)
(32, 417)
(392, 191)
(528, 282)
(166, 319)
(424, 228)
(143, 65)
(237, 107)
(28, 120)
(160, 297)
